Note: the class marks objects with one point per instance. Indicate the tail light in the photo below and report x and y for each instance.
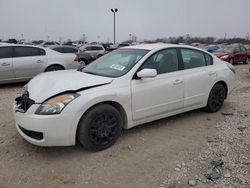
(76, 59)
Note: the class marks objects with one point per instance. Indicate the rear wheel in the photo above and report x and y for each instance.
(246, 61)
(100, 127)
(54, 68)
(231, 61)
(216, 98)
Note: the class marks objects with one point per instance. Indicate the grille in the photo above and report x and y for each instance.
(23, 102)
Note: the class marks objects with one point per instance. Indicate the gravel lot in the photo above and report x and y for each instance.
(172, 152)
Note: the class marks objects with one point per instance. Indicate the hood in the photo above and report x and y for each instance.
(219, 54)
(46, 85)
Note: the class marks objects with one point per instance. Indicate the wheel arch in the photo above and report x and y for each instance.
(224, 84)
(55, 64)
(115, 104)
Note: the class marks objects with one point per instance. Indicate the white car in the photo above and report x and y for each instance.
(23, 62)
(127, 87)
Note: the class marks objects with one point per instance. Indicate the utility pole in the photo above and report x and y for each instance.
(114, 11)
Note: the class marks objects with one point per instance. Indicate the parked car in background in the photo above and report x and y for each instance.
(48, 44)
(212, 48)
(69, 43)
(95, 51)
(125, 88)
(83, 58)
(233, 54)
(11, 41)
(23, 62)
(123, 45)
(64, 49)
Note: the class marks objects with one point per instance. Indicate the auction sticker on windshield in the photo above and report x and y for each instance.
(117, 67)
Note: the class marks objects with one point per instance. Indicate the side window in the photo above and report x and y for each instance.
(89, 48)
(23, 51)
(243, 49)
(5, 52)
(209, 59)
(70, 50)
(192, 58)
(59, 49)
(163, 61)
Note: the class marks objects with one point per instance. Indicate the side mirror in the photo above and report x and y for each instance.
(147, 73)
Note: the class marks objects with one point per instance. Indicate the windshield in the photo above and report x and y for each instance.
(225, 49)
(116, 63)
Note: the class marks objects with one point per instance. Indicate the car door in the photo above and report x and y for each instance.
(198, 76)
(161, 94)
(237, 55)
(6, 63)
(243, 51)
(28, 61)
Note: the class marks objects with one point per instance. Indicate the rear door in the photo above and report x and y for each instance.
(6, 63)
(28, 61)
(198, 76)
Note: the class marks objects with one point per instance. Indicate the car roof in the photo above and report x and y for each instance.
(159, 46)
(64, 46)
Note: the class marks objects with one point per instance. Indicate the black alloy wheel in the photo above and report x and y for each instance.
(100, 127)
(216, 98)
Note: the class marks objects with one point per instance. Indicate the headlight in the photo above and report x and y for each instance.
(224, 57)
(56, 104)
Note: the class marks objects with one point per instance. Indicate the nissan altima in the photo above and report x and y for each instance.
(127, 87)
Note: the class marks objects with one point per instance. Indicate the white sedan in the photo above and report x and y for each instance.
(127, 87)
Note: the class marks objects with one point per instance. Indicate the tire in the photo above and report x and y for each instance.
(54, 68)
(216, 98)
(231, 61)
(100, 127)
(246, 61)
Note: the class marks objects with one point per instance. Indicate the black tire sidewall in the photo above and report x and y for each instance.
(209, 107)
(54, 68)
(85, 122)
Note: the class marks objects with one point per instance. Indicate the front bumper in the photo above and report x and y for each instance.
(46, 130)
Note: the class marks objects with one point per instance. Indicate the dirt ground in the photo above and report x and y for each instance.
(172, 152)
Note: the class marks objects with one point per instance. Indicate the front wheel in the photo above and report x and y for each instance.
(216, 98)
(100, 127)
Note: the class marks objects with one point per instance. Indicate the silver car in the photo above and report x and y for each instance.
(23, 62)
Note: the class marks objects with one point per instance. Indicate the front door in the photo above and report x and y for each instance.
(161, 94)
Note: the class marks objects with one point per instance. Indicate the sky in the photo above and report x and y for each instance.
(146, 19)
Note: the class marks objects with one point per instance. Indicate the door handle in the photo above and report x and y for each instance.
(176, 82)
(5, 64)
(211, 73)
(39, 61)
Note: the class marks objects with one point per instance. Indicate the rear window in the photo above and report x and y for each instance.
(70, 50)
(23, 51)
(193, 58)
(209, 59)
(5, 52)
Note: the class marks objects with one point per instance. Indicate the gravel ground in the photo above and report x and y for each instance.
(172, 152)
